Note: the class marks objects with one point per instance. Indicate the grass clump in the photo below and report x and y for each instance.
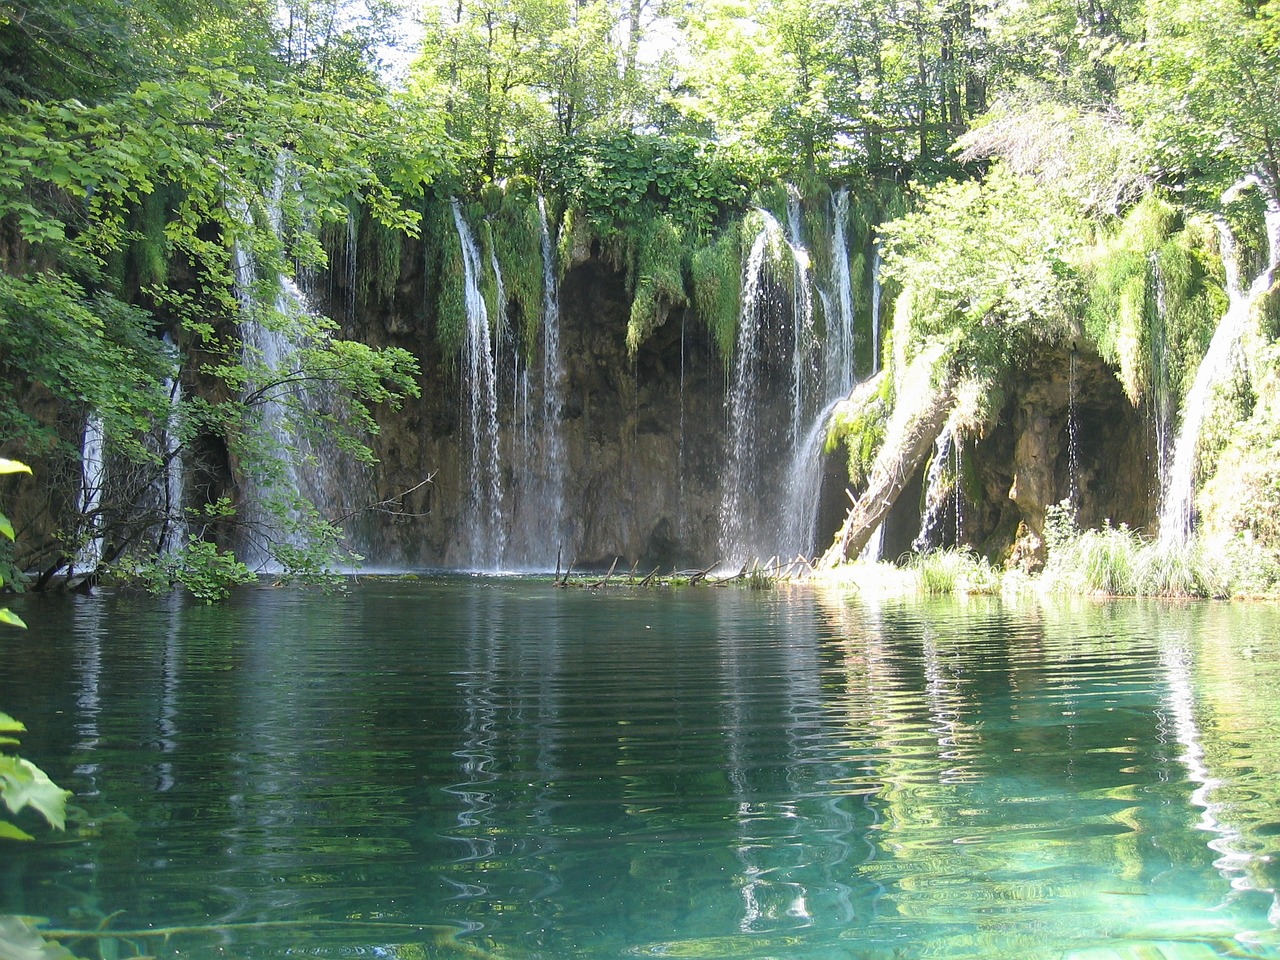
(1176, 570)
(955, 570)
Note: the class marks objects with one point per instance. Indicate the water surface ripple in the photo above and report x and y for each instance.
(497, 768)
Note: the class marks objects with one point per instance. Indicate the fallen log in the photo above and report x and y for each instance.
(918, 418)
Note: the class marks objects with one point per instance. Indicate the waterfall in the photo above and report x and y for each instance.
(803, 374)
(1073, 437)
(840, 340)
(1161, 402)
(173, 532)
(876, 293)
(481, 523)
(762, 434)
(1222, 357)
(938, 488)
(552, 386)
(804, 487)
(292, 463)
(93, 471)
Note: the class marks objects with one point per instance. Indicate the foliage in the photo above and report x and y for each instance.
(1098, 561)
(860, 423)
(1154, 295)
(1240, 502)
(451, 301)
(621, 178)
(1202, 83)
(1115, 561)
(517, 240)
(227, 173)
(516, 75)
(1091, 155)
(8, 467)
(985, 266)
(22, 783)
(379, 249)
(813, 88)
(198, 566)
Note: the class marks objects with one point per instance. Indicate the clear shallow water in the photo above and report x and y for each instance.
(479, 768)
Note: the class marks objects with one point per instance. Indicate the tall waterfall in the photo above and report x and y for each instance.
(552, 389)
(940, 483)
(1222, 357)
(93, 473)
(840, 339)
(747, 527)
(774, 445)
(290, 469)
(483, 529)
(173, 533)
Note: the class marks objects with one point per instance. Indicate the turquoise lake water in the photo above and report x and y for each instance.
(495, 768)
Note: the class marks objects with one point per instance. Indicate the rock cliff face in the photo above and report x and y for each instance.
(640, 440)
(1066, 432)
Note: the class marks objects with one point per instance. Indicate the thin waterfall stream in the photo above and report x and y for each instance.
(1178, 506)
(482, 520)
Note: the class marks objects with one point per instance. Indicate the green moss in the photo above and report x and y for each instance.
(495, 310)
(517, 237)
(151, 250)
(656, 277)
(716, 272)
(1154, 297)
(451, 304)
(861, 424)
(378, 255)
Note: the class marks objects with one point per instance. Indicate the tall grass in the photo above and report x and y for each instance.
(953, 570)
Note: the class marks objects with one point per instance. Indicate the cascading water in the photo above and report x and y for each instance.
(482, 528)
(839, 341)
(173, 532)
(1073, 438)
(1161, 401)
(1222, 357)
(876, 293)
(93, 472)
(552, 387)
(288, 468)
(940, 484)
(771, 358)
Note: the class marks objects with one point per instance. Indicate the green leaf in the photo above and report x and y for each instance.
(13, 466)
(11, 618)
(23, 784)
(10, 725)
(6, 528)
(9, 832)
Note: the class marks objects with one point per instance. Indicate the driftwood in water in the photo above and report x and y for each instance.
(752, 573)
(917, 420)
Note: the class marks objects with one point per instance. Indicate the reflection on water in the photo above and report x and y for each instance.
(503, 769)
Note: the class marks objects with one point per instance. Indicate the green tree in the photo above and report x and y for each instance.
(1204, 83)
(99, 197)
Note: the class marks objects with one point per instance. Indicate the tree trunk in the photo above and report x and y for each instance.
(909, 438)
